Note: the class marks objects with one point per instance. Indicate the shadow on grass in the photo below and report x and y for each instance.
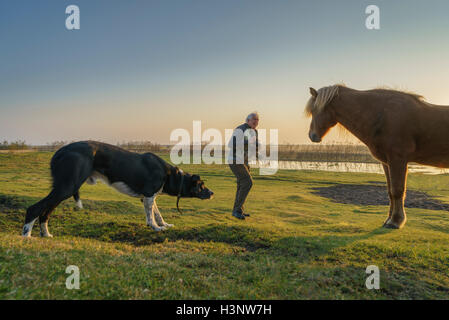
(13, 209)
(249, 238)
(15, 203)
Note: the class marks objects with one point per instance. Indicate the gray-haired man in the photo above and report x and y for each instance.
(245, 145)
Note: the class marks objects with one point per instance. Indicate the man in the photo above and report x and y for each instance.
(244, 145)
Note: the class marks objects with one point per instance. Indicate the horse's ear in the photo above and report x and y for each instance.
(313, 92)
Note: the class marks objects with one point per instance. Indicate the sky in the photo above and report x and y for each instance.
(136, 70)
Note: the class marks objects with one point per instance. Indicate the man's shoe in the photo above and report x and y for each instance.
(238, 215)
(246, 214)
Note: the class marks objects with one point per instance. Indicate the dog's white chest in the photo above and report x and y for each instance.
(119, 186)
(124, 188)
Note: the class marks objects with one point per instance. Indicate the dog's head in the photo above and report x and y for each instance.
(186, 185)
(191, 186)
(197, 189)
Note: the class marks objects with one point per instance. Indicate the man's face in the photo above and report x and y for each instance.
(253, 122)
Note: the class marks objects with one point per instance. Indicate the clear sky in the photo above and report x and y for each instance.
(136, 70)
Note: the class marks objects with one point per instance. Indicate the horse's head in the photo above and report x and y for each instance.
(323, 119)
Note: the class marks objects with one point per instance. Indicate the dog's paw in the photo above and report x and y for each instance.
(26, 232)
(156, 228)
(46, 235)
(79, 205)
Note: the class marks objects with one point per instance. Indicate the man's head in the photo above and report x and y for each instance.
(253, 120)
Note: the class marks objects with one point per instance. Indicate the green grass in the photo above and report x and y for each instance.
(295, 245)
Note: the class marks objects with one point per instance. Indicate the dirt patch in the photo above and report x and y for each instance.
(376, 195)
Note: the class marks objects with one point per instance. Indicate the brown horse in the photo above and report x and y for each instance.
(397, 127)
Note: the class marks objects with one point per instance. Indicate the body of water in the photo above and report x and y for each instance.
(352, 167)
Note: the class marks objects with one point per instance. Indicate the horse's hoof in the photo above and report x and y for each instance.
(390, 226)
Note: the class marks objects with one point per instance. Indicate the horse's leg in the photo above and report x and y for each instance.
(387, 175)
(398, 180)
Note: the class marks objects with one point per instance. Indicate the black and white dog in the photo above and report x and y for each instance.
(138, 175)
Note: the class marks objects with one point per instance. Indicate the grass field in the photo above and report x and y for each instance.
(295, 245)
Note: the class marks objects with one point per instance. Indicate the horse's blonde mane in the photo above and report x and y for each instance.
(325, 95)
(407, 92)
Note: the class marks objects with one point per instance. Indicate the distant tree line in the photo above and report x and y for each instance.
(14, 145)
(317, 153)
(135, 146)
(141, 146)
